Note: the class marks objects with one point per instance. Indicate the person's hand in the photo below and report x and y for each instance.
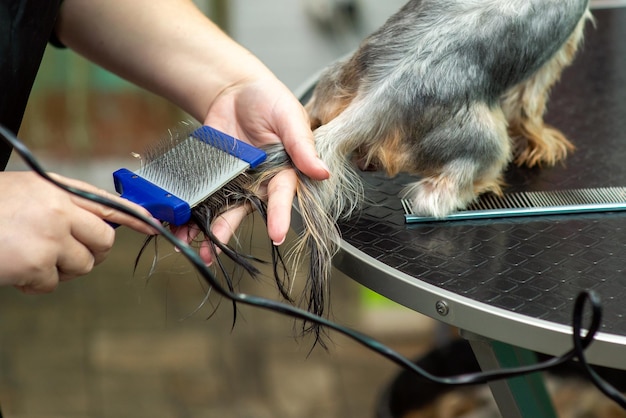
(263, 111)
(206, 73)
(48, 235)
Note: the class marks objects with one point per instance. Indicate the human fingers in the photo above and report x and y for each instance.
(32, 268)
(40, 286)
(74, 259)
(297, 137)
(105, 212)
(185, 233)
(93, 235)
(280, 193)
(68, 249)
(223, 228)
(264, 111)
(46, 235)
(43, 278)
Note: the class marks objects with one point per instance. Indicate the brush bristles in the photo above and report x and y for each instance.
(187, 167)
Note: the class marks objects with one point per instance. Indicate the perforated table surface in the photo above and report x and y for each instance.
(515, 280)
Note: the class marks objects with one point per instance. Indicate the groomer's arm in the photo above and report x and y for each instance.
(170, 48)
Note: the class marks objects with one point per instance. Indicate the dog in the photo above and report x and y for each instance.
(452, 91)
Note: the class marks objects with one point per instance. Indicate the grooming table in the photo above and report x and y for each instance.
(509, 283)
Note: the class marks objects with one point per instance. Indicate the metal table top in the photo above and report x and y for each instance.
(514, 280)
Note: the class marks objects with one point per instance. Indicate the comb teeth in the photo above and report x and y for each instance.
(189, 167)
(532, 204)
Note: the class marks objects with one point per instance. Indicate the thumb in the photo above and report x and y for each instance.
(299, 143)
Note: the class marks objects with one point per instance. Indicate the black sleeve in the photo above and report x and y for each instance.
(54, 39)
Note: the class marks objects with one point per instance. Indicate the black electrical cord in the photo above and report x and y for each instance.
(580, 341)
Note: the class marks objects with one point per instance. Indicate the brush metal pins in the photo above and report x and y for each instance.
(553, 202)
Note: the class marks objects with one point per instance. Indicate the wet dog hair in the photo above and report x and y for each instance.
(315, 246)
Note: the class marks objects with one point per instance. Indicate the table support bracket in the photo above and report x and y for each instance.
(520, 397)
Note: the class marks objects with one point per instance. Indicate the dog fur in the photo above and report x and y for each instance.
(452, 91)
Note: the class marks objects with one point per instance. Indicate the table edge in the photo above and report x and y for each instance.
(477, 317)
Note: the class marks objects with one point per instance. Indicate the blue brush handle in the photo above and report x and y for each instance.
(161, 204)
(227, 143)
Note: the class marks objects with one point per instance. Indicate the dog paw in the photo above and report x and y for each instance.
(437, 197)
(547, 150)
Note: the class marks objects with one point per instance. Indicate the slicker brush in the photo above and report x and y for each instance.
(210, 173)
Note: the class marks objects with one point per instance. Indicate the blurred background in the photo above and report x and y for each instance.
(122, 344)
(80, 110)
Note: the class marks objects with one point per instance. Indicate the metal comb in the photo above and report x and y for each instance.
(488, 206)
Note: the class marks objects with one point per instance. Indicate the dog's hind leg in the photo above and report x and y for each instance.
(535, 142)
(471, 150)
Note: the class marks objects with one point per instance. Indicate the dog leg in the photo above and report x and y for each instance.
(535, 142)
(472, 149)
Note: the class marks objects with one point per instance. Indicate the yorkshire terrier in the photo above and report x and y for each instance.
(452, 91)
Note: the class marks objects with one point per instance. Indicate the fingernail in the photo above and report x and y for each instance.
(277, 243)
(324, 166)
(177, 249)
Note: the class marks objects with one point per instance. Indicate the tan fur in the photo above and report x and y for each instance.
(390, 154)
(338, 96)
(537, 143)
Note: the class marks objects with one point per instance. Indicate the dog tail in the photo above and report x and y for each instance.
(320, 204)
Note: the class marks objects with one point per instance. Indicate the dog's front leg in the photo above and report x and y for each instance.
(460, 159)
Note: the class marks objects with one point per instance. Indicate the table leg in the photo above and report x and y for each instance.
(519, 397)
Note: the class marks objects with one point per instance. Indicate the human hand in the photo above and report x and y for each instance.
(207, 74)
(263, 111)
(49, 235)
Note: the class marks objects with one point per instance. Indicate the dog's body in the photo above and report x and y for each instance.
(442, 89)
(450, 90)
